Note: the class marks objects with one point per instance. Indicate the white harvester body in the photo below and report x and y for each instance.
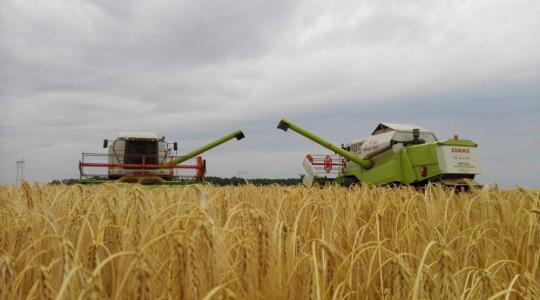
(138, 148)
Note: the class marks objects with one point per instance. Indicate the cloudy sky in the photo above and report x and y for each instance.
(74, 72)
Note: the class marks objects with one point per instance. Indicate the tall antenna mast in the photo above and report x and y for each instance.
(20, 171)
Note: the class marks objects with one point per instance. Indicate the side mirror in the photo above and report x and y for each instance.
(175, 146)
(105, 143)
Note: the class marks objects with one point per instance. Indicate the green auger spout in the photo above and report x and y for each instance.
(285, 124)
(238, 134)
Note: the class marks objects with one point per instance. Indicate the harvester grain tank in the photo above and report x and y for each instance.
(146, 158)
(393, 154)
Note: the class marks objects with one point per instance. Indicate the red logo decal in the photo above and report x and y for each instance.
(461, 150)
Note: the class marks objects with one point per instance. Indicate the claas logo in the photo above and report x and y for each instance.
(461, 150)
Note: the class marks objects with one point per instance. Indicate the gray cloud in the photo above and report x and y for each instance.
(74, 72)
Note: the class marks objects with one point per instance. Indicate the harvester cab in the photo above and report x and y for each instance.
(393, 154)
(145, 157)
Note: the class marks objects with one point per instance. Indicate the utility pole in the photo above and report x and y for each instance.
(20, 171)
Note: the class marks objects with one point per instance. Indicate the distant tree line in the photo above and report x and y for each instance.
(221, 181)
(256, 181)
(67, 181)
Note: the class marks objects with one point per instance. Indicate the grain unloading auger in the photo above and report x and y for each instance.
(393, 154)
(146, 158)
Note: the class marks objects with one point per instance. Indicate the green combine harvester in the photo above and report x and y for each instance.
(143, 157)
(394, 154)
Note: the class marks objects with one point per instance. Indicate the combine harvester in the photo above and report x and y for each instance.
(145, 158)
(393, 154)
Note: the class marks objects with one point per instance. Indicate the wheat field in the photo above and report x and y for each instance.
(206, 242)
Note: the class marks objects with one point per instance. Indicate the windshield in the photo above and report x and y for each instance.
(136, 150)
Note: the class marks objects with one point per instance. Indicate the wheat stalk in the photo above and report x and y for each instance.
(6, 277)
(251, 242)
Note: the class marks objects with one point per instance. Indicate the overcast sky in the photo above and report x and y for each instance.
(75, 72)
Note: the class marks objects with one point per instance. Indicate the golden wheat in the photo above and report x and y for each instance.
(120, 241)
